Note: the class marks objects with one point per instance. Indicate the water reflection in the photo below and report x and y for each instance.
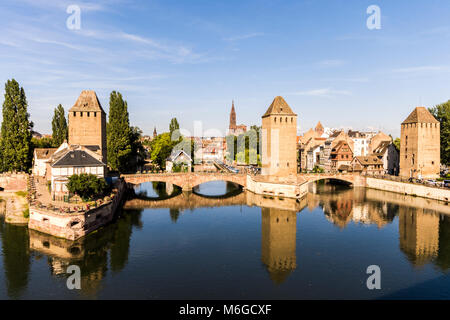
(109, 247)
(423, 235)
(279, 229)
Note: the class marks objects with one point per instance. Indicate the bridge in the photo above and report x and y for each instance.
(186, 181)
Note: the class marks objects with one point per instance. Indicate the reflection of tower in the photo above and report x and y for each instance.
(419, 234)
(279, 229)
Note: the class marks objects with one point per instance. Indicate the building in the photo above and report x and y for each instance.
(87, 124)
(420, 145)
(389, 155)
(42, 156)
(210, 149)
(154, 133)
(181, 158)
(377, 139)
(279, 139)
(68, 160)
(361, 142)
(234, 129)
(341, 157)
(371, 165)
(309, 147)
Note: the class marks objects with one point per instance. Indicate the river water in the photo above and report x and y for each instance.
(219, 242)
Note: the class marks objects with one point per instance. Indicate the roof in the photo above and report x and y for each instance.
(319, 126)
(87, 101)
(279, 106)
(44, 153)
(176, 153)
(77, 158)
(382, 147)
(369, 160)
(420, 115)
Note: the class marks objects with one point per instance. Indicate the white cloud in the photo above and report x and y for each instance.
(323, 92)
(421, 69)
(245, 36)
(332, 63)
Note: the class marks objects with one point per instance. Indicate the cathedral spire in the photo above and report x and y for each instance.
(232, 116)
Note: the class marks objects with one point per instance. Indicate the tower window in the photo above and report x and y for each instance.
(286, 119)
(81, 113)
(88, 113)
(95, 114)
(74, 113)
(281, 119)
(292, 119)
(275, 119)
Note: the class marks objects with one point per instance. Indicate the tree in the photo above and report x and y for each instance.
(442, 113)
(86, 185)
(119, 133)
(59, 126)
(173, 125)
(161, 148)
(16, 130)
(397, 144)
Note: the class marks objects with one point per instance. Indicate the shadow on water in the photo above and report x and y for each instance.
(224, 190)
(157, 191)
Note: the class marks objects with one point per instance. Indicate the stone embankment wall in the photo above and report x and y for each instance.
(73, 226)
(409, 189)
(276, 189)
(13, 182)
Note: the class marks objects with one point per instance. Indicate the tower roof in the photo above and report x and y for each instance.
(319, 126)
(279, 106)
(87, 101)
(420, 115)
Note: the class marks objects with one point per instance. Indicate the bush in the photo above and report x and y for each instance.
(26, 213)
(86, 185)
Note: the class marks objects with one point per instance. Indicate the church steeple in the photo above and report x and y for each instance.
(154, 133)
(232, 116)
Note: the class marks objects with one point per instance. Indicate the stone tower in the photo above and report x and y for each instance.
(87, 123)
(279, 139)
(278, 242)
(420, 145)
(232, 117)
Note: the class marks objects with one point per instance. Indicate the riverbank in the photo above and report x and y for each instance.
(14, 207)
(75, 225)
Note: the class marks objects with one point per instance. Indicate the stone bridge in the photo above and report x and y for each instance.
(186, 181)
(354, 179)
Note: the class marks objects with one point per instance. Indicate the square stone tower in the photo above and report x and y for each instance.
(420, 145)
(279, 140)
(87, 124)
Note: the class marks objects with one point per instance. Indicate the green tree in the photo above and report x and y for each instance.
(397, 144)
(442, 113)
(86, 185)
(119, 133)
(16, 129)
(59, 126)
(161, 148)
(173, 125)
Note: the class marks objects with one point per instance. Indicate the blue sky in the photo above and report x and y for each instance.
(189, 59)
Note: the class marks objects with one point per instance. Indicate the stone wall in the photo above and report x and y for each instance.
(409, 188)
(13, 182)
(73, 226)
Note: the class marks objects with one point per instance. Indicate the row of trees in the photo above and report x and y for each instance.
(245, 148)
(125, 150)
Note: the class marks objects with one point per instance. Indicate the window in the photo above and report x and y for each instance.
(275, 119)
(81, 113)
(74, 113)
(88, 113)
(95, 114)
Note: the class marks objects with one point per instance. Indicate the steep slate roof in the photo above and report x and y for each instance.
(77, 158)
(279, 106)
(87, 101)
(44, 153)
(420, 115)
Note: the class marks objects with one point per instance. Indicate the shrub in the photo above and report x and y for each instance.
(26, 213)
(86, 185)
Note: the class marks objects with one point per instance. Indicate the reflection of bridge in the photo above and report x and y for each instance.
(189, 200)
(189, 180)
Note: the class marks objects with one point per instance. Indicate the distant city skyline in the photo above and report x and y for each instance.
(190, 60)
